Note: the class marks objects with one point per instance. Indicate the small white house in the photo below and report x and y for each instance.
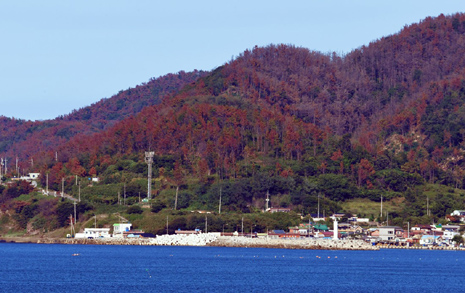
(120, 228)
(92, 233)
(430, 239)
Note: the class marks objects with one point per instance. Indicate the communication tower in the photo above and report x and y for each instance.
(149, 161)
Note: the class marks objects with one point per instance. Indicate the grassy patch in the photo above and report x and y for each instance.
(365, 207)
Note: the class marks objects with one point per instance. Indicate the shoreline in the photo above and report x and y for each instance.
(210, 240)
(213, 240)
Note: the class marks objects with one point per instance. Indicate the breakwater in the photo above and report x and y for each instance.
(304, 243)
(212, 239)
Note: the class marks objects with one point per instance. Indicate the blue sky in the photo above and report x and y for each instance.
(56, 56)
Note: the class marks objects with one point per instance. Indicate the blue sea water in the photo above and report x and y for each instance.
(54, 268)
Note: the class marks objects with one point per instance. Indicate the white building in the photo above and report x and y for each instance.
(449, 231)
(30, 176)
(430, 239)
(119, 228)
(390, 233)
(458, 213)
(92, 233)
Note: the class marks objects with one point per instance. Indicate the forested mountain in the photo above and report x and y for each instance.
(25, 138)
(384, 120)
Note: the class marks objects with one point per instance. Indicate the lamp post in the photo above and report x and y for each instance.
(408, 232)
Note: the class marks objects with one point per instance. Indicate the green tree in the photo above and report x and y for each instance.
(134, 209)
(458, 239)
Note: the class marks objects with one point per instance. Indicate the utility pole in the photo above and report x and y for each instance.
(149, 161)
(206, 224)
(427, 206)
(74, 211)
(381, 206)
(79, 191)
(73, 232)
(124, 203)
(63, 187)
(267, 200)
(46, 183)
(318, 205)
(242, 226)
(219, 207)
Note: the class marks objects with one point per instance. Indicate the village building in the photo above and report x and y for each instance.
(449, 231)
(279, 210)
(430, 239)
(93, 233)
(390, 233)
(120, 228)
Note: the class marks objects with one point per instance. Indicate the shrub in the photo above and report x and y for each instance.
(134, 209)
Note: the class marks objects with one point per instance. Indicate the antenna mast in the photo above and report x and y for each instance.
(149, 161)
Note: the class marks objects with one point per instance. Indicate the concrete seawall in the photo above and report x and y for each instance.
(324, 244)
(223, 241)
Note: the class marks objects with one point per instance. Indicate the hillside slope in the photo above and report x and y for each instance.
(384, 120)
(23, 139)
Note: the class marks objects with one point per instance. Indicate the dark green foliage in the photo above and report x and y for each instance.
(157, 206)
(458, 239)
(134, 189)
(64, 210)
(336, 187)
(184, 198)
(134, 209)
(397, 180)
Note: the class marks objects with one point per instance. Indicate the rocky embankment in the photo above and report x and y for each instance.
(304, 243)
(224, 241)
